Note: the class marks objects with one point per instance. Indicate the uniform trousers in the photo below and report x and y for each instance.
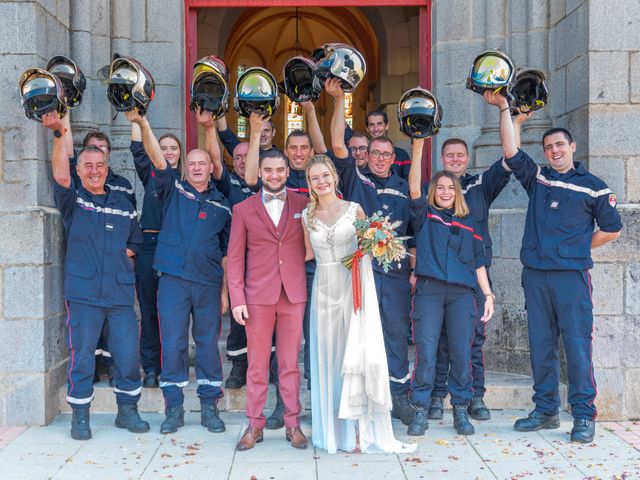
(147, 290)
(84, 326)
(180, 300)
(394, 300)
(559, 302)
(437, 303)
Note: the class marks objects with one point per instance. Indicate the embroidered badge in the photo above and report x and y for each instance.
(554, 204)
(202, 215)
(109, 227)
(386, 207)
(613, 200)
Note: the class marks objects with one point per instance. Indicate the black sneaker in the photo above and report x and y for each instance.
(478, 410)
(537, 421)
(583, 430)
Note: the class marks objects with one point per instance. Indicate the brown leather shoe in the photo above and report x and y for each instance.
(250, 437)
(296, 437)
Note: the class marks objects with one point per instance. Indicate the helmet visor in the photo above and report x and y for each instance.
(39, 96)
(491, 71)
(63, 71)
(210, 67)
(256, 86)
(125, 74)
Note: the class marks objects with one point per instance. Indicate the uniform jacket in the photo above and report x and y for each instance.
(195, 232)
(447, 247)
(99, 229)
(235, 188)
(152, 208)
(563, 211)
(264, 258)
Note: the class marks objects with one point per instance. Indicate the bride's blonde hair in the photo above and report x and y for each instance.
(318, 159)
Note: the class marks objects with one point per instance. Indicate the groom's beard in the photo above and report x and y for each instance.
(277, 189)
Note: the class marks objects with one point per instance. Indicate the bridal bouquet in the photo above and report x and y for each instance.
(377, 237)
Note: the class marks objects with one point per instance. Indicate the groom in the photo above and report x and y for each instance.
(267, 285)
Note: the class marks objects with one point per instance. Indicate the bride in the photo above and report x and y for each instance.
(350, 397)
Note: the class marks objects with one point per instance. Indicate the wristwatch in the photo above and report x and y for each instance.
(57, 133)
(492, 295)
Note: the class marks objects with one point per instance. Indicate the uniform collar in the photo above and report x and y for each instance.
(578, 169)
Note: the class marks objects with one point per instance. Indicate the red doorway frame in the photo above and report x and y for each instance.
(191, 44)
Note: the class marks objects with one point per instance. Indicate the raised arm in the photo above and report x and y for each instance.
(313, 127)
(59, 154)
(507, 133)
(415, 173)
(211, 145)
(227, 137)
(251, 164)
(149, 140)
(333, 88)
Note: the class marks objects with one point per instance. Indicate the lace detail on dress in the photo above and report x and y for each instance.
(332, 243)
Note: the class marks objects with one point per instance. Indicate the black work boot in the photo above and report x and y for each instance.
(80, 428)
(583, 430)
(174, 419)
(461, 420)
(238, 375)
(402, 409)
(436, 410)
(151, 380)
(536, 421)
(419, 424)
(478, 410)
(129, 418)
(276, 419)
(209, 418)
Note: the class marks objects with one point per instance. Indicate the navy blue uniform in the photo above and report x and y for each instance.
(117, 183)
(556, 254)
(448, 252)
(99, 288)
(146, 279)
(189, 256)
(235, 189)
(402, 162)
(480, 191)
(230, 141)
(391, 197)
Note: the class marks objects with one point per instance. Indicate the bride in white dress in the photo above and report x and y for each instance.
(350, 397)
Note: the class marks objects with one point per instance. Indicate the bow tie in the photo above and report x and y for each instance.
(278, 196)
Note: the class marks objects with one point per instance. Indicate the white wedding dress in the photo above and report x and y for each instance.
(349, 374)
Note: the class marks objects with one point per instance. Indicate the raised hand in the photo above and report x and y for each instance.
(134, 116)
(256, 122)
(205, 118)
(53, 122)
(495, 99)
(333, 86)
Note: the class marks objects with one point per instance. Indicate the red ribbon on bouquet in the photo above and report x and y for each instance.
(356, 283)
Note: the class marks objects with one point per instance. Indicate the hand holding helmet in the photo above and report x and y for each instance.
(256, 91)
(419, 113)
(41, 92)
(341, 61)
(529, 91)
(130, 85)
(209, 86)
(491, 70)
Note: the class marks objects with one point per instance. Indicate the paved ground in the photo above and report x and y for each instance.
(495, 452)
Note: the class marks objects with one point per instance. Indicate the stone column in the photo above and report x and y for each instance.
(32, 314)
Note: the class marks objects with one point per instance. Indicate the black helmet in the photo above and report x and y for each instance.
(70, 76)
(343, 62)
(419, 113)
(529, 91)
(297, 74)
(41, 92)
(256, 91)
(209, 86)
(491, 70)
(131, 86)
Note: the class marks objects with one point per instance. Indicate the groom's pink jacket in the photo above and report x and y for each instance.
(261, 257)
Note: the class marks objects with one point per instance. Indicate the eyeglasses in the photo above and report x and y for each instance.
(378, 154)
(361, 149)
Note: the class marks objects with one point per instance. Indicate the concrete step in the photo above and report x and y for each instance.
(504, 391)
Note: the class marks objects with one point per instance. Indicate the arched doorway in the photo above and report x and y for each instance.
(269, 37)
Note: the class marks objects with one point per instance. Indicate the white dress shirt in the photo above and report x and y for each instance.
(274, 207)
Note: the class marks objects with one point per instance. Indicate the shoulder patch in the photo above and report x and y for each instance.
(613, 201)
